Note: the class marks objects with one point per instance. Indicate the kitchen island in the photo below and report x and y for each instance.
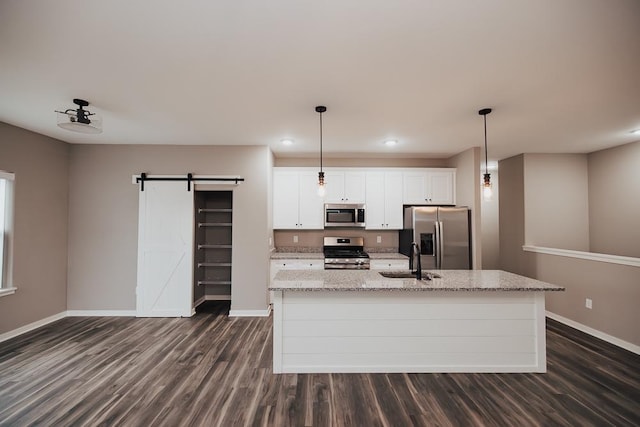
(360, 321)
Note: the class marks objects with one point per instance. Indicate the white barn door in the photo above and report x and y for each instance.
(165, 250)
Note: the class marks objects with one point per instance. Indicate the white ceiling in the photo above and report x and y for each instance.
(561, 75)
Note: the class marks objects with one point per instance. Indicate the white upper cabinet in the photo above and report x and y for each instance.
(296, 204)
(285, 199)
(430, 187)
(384, 200)
(344, 186)
(311, 206)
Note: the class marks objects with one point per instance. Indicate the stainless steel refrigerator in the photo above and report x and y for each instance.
(443, 234)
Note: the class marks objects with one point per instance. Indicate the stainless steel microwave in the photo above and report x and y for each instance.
(344, 215)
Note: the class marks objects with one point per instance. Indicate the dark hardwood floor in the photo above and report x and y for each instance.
(213, 370)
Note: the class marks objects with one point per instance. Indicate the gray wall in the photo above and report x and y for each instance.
(41, 165)
(614, 200)
(103, 213)
(490, 226)
(556, 201)
(613, 288)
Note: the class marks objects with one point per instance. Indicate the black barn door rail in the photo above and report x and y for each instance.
(189, 179)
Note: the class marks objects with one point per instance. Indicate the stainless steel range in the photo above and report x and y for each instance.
(345, 253)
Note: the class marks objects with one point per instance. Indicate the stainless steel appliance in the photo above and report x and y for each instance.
(442, 233)
(345, 253)
(344, 215)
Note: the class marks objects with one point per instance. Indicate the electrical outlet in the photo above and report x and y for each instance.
(588, 303)
(379, 239)
(295, 239)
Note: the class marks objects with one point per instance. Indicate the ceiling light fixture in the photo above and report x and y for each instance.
(390, 142)
(487, 192)
(287, 142)
(321, 190)
(79, 120)
(636, 132)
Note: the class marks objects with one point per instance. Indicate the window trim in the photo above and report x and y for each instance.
(7, 287)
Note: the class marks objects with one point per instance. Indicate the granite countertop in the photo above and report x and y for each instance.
(297, 255)
(371, 280)
(387, 255)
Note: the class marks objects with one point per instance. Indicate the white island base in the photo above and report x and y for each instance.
(408, 331)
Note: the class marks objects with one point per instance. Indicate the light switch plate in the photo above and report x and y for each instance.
(295, 239)
(379, 239)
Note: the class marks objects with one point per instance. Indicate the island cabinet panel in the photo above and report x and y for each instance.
(409, 362)
(405, 331)
(408, 328)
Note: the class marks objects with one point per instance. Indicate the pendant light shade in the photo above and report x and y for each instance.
(79, 120)
(321, 189)
(487, 191)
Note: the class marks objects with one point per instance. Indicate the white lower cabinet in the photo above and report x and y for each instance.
(389, 264)
(295, 264)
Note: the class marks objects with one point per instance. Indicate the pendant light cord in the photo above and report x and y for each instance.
(486, 155)
(320, 142)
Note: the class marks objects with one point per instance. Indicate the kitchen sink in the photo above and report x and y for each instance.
(426, 275)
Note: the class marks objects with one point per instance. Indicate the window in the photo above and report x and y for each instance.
(6, 233)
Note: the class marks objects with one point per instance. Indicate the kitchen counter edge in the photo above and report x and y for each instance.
(371, 280)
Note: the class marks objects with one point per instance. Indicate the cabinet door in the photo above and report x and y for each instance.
(375, 200)
(311, 206)
(345, 187)
(430, 187)
(354, 187)
(392, 201)
(334, 187)
(285, 200)
(414, 188)
(440, 187)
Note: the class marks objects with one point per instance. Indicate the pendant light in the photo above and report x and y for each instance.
(79, 119)
(487, 192)
(321, 189)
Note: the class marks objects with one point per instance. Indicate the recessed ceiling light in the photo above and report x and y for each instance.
(636, 132)
(390, 142)
(287, 142)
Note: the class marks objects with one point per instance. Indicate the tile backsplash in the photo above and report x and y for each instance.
(311, 240)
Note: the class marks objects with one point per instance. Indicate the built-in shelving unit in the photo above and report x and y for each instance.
(213, 244)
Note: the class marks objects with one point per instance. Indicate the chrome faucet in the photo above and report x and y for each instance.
(415, 252)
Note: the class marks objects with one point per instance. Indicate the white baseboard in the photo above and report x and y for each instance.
(31, 326)
(101, 313)
(594, 332)
(250, 313)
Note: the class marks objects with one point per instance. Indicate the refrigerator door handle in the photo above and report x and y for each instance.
(440, 243)
(436, 250)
